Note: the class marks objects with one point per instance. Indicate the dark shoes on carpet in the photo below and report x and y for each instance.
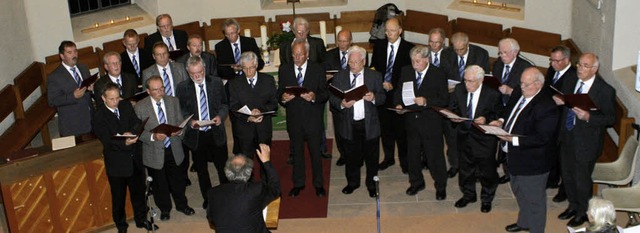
(147, 225)
(187, 211)
(205, 204)
(560, 197)
(441, 195)
(485, 207)
(349, 189)
(295, 191)
(164, 216)
(515, 228)
(463, 202)
(504, 179)
(341, 162)
(413, 190)
(372, 193)
(452, 172)
(567, 214)
(577, 220)
(320, 192)
(385, 164)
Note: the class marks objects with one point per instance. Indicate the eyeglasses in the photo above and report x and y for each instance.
(584, 66)
(525, 85)
(556, 61)
(249, 67)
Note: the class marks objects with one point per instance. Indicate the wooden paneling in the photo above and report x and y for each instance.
(537, 42)
(422, 22)
(479, 31)
(314, 22)
(118, 47)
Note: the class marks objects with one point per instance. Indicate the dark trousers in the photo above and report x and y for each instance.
(249, 143)
(554, 161)
(136, 186)
(359, 150)
(532, 201)
(313, 137)
(427, 141)
(576, 176)
(208, 151)
(168, 182)
(392, 133)
(472, 160)
(450, 136)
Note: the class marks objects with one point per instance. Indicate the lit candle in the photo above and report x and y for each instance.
(323, 31)
(475, 1)
(127, 18)
(263, 35)
(111, 21)
(247, 32)
(489, 3)
(96, 25)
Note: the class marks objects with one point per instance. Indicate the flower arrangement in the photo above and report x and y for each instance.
(286, 35)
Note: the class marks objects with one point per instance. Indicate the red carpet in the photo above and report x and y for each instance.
(307, 204)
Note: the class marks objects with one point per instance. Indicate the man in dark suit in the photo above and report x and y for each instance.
(174, 39)
(126, 82)
(304, 113)
(237, 206)
(255, 92)
(226, 49)
(122, 158)
(134, 59)
(423, 124)
(204, 97)
(195, 49)
(64, 92)
(300, 29)
(389, 56)
(162, 154)
(172, 73)
(582, 135)
(477, 150)
(436, 44)
(463, 55)
(359, 123)
(533, 115)
(508, 70)
(559, 69)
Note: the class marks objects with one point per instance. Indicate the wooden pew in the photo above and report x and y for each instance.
(357, 22)
(533, 41)
(39, 113)
(86, 56)
(214, 31)
(118, 47)
(313, 18)
(422, 22)
(191, 28)
(15, 136)
(479, 31)
(623, 127)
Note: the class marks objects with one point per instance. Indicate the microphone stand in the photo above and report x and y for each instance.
(151, 213)
(376, 179)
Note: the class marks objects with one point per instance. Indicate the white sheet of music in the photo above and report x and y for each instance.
(408, 96)
(264, 213)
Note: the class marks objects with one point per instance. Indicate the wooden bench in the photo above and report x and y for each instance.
(533, 41)
(422, 22)
(622, 126)
(86, 56)
(479, 31)
(357, 22)
(314, 22)
(118, 47)
(191, 28)
(214, 30)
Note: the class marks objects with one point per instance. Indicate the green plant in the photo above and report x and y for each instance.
(286, 35)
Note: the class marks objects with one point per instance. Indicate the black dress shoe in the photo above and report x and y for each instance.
(372, 193)
(413, 190)
(187, 211)
(326, 155)
(504, 179)
(192, 169)
(552, 185)
(560, 197)
(452, 172)
(485, 207)
(385, 164)
(295, 191)
(577, 220)
(349, 189)
(320, 192)
(147, 225)
(567, 214)
(463, 202)
(187, 182)
(164, 216)
(341, 162)
(290, 160)
(205, 204)
(441, 195)
(405, 171)
(515, 228)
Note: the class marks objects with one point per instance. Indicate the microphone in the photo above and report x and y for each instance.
(149, 179)
(376, 179)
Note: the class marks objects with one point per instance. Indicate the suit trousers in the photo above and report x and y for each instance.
(359, 150)
(392, 133)
(208, 151)
(450, 136)
(430, 143)
(339, 140)
(470, 162)
(298, 136)
(532, 201)
(168, 181)
(136, 186)
(576, 176)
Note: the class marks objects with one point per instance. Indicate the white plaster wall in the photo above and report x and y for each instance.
(626, 34)
(150, 6)
(49, 24)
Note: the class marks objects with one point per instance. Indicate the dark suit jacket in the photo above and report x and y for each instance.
(332, 59)
(514, 72)
(537, 122)
(434, 89)
(178, 73)
(301, 113)
(489, 106)
(146, 60)
(379, 63)
(236, 207)
(119, 159)
(262, 97)
(558, 85)
(74, 115)
(180, 37)
(477, 56)
(210, 64)
(590, 135)
(224, 52)
(129, 87)
(217, 105)
(373, 81)
(317, 51)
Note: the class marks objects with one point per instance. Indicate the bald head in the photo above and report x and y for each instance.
(344, 40)
(392, 29)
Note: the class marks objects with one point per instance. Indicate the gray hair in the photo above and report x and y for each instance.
(194, 61)
(513, 43)
(476, 70)
(439, 31)
(602, 213)
(230, 22)
(421, 50)
(300, 21)
(358, 49)
(566, 52)
(300, 41)
(460, 36)
(238, 172)
(248, 56)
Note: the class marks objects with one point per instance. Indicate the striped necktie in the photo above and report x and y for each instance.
(117, 113)
(299, 77)
(135, 65)
(343, 61)
(169, 44)
(387, 75)
(461, 68)
(469, 110)
(119, 85)
(353, 81)
(419, 79)
(505, 77)
(436, 61)
(570, 122)
(76, 76)
(251, 82)
(204, 107)
(163, 120)
(167, 83)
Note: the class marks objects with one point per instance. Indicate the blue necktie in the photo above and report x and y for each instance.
(353, 81)
(236, 52)
(299, 77)
(76, 76)
(169, 44)
(343, 61)
(119, 85)
(251, 82)
(167, 83)
(512, 118)
(505, 77)
(436, 61)
(163, 120)
(570, 122)
(204, 107)
(470, 111)
(117, 113)
(419, 80)
(556, 77)
(135, 65)
(461, 68)
(387, 75)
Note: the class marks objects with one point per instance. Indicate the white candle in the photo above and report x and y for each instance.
(263, 35)
(323, 32)
(338, 30)
(247, 32)
(638, 73)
